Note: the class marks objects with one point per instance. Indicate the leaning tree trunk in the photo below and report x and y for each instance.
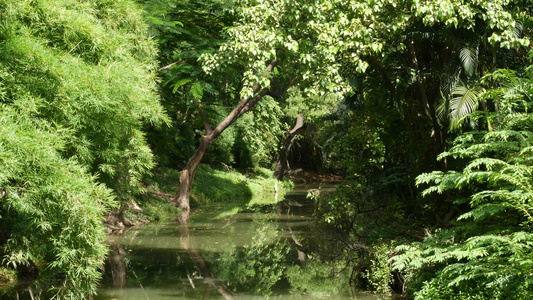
(182, 197)
(281, 164)
(186, 178)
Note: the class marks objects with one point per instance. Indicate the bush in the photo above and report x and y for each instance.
(488, 251)
(379, 272)
(75, 92)
(51, 207)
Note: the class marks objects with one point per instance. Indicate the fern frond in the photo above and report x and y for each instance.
(485, 211)
(487, 163)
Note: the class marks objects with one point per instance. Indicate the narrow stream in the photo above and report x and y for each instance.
(274, 252)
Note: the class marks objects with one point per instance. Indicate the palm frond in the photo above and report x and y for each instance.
(519, 28)
(469, 58)
(448, 83)
(443, 109)
(463, 102)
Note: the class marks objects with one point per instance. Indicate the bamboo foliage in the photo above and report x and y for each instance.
(76, 89)
(90, 64)
(51, 206)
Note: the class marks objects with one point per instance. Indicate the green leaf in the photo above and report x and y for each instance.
(464, 101)
(180, 83)
(469, 57)
(197, 90)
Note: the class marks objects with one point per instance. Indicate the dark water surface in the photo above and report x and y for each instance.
(273, 252)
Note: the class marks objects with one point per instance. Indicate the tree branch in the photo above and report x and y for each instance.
(168, 66)
(252, 102)
(243, 106)
(279, 92)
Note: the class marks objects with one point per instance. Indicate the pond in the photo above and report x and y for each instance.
(273, 252)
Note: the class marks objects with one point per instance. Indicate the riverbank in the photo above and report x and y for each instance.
(226, 188)
(237, 191)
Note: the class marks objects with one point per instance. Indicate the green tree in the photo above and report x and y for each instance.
(305, 44)
(414, 55)
(184, 30)
(272, 50)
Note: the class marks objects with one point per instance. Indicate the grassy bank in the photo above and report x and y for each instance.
(256, 188)
(230, 190)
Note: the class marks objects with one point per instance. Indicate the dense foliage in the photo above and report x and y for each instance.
(413, 76)
(51, 207)
(426, 75)
(488, 252)
(75, 91)
(423, 105)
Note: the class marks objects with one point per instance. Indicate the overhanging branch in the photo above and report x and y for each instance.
(278, 93)
(168, 66)
(244, 105)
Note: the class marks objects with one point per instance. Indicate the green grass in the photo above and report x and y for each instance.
(230, 190)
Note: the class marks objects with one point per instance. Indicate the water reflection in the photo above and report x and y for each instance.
(275, 253)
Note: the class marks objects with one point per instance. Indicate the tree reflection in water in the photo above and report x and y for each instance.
(195, 255)
(278, 253)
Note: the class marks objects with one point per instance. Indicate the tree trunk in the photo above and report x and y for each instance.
(281, 164)
(182, 197)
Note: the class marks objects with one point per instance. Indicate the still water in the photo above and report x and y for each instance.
(275, 252)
